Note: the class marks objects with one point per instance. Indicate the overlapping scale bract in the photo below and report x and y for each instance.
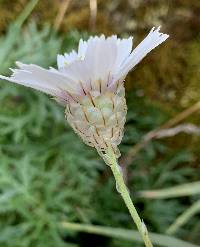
(99, 118)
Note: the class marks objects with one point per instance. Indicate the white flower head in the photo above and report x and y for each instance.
(89, 83)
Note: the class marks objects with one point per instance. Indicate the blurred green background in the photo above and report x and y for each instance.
(48, 176)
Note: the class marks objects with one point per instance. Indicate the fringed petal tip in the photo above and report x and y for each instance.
(151, 41)
(2, 77)
(156, 33)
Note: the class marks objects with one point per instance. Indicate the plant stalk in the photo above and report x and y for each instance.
(122, 189)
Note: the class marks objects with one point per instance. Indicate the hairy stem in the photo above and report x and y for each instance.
(122, 189)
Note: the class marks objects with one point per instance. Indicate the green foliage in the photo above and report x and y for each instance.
(38, 46)
(41, 177)
(47, 175)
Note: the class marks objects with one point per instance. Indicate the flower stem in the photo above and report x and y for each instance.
(121, 187)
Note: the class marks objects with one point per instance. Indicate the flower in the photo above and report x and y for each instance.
(89, 83)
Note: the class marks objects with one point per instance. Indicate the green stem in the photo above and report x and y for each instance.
(121, 187)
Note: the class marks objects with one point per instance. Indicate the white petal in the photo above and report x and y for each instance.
(101, 57)
(80, 73)
(124, 47)
(47, 81)
(70, 57)
(93, 71)
(60, 61)
(153, 39)
(82, 48)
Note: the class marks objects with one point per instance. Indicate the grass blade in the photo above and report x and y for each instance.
(183, 218)
(157, 239)
(13, 32)
(176, 191)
